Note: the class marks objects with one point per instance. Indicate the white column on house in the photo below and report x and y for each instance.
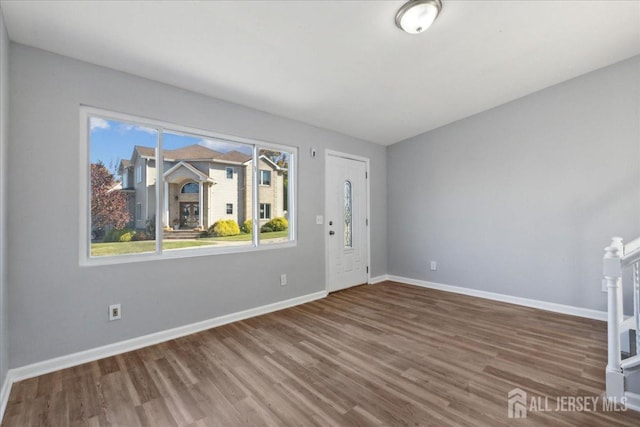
(165, 217)
(200, 203)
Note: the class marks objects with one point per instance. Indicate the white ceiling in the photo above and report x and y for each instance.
(341, 65)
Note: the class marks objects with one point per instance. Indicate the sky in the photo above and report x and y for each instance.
(111, 141)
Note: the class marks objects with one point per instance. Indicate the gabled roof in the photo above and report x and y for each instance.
(147, 152)
(234, 156)
(269, 162)
(124, 164)
(192, 153)
(202, 177)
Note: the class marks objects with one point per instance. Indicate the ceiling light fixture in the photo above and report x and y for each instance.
(415, 16)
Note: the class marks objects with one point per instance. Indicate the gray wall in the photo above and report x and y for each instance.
(58, 307)
(4, 115)
(522, 199)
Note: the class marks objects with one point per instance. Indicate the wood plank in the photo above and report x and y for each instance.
(386, 354)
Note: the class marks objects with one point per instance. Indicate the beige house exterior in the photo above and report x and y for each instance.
(201, 186)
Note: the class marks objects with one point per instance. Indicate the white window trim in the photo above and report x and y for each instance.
(86, 112)
(227, 207)
(266, 204)
(260, 177)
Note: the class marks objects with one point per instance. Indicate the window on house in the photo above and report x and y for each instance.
(265, 177)
(125, 179)
(265, 210)
(182, 190)
(190, 188)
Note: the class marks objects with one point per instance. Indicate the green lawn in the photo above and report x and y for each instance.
(122, 248)
(246, 237)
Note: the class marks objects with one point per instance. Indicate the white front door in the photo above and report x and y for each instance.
(347, 239)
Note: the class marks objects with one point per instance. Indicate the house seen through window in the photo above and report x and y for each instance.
(188, 197)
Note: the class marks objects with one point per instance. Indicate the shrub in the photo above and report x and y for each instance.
(247, 226)
(276, 224)
(224, 227)
(142, 235)
(126, 237)
(119, 235)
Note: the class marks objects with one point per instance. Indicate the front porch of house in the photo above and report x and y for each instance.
(187, 198)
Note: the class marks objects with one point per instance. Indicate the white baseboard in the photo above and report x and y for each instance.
(62, 362)
(542, 305)
(378, 279)
(633, 400)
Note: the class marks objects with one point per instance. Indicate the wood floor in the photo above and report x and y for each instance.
(386, 354)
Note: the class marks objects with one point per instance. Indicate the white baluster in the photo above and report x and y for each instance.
(612, 270)
(616, 242)
(636, 302)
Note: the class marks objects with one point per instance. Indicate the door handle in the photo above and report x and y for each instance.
(331, 233)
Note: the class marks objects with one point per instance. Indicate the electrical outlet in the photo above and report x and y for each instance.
(319, 220)
(283, 280)
(434, 265)
(115, 312)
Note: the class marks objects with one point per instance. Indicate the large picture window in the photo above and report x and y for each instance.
(180, 203)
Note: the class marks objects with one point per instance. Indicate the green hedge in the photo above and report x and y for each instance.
(116, 235)
(247, 226)
(276, 224)
(224, 227)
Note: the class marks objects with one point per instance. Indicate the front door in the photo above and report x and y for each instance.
(346, 222)
(189, 215)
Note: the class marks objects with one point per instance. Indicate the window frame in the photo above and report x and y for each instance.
(229, 208)
(138, 174)
(267, 207)
(182, 188)
(87, 112)
(261, 181)
(229, 169)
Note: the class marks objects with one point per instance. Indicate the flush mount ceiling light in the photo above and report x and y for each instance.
(415, 16)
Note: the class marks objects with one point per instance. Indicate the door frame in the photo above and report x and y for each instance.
(332, 153)
(180, 205)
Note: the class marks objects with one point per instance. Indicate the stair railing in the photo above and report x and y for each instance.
(617, 257)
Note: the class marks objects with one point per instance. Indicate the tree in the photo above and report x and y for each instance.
(108, 207)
